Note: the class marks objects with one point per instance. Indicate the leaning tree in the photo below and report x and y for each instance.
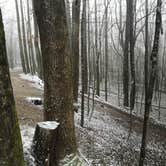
(11, 152)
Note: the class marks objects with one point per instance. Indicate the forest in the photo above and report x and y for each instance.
(82, 83)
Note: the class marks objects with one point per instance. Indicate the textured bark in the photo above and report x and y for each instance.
(132, 56)
(152, 78)
(126, 59)
(11, 152)
(75, 45)
(83, 60)
(58, 92)
(43, 143)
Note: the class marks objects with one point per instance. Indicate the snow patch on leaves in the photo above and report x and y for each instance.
(34, 79)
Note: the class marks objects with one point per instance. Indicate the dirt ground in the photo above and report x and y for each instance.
(125, 154)
(27, 113)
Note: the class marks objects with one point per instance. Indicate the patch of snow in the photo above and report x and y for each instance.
(16, 69)
(27, 133)
(29, 99)
(51, 125)
(36, 81)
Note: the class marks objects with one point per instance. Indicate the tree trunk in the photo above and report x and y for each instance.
(24, 39)
(126, 59)
(37, 45)
(106, 50)
(83, 60)
(11, 152)
(58, 92)
(75, 46)
(97, 54)
(31, 50)
(20, 41)
(43, 142)
(132, 56)
(152, 78)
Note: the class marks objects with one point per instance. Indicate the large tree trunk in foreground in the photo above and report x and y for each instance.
(58, 92)
(11, 152)
(152, 78)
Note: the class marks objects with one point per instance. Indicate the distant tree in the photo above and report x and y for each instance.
(37, 45)
(58, 92)
(22, 56)
(75, 45)
(11, 152)
(83, 60)
(97, 53)
(24, 41)
(126, 57)
(30, 42)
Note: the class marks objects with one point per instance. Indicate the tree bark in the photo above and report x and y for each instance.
(11, 152)
(132, 56)
(58, 92)
(152, 78)
(75, 46)
(126, 58)
(43, 142)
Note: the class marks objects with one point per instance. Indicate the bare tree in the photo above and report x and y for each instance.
(152, 78)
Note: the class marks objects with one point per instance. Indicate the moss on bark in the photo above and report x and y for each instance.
(11, 152)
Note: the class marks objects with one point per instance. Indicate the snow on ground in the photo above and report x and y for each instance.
(34, 79)
(27, 133)
(105, 142)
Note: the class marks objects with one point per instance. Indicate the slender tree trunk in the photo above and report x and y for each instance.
(58, 102)
(97, 53)
(20, 40)
(30, 41)
(126, 59)
(132, 56)
(37, 45)
(75, 46)
(24, 39)
(152, 78)
(106, 52)
(83, 59)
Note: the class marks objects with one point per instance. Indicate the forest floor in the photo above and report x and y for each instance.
(105, 140)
